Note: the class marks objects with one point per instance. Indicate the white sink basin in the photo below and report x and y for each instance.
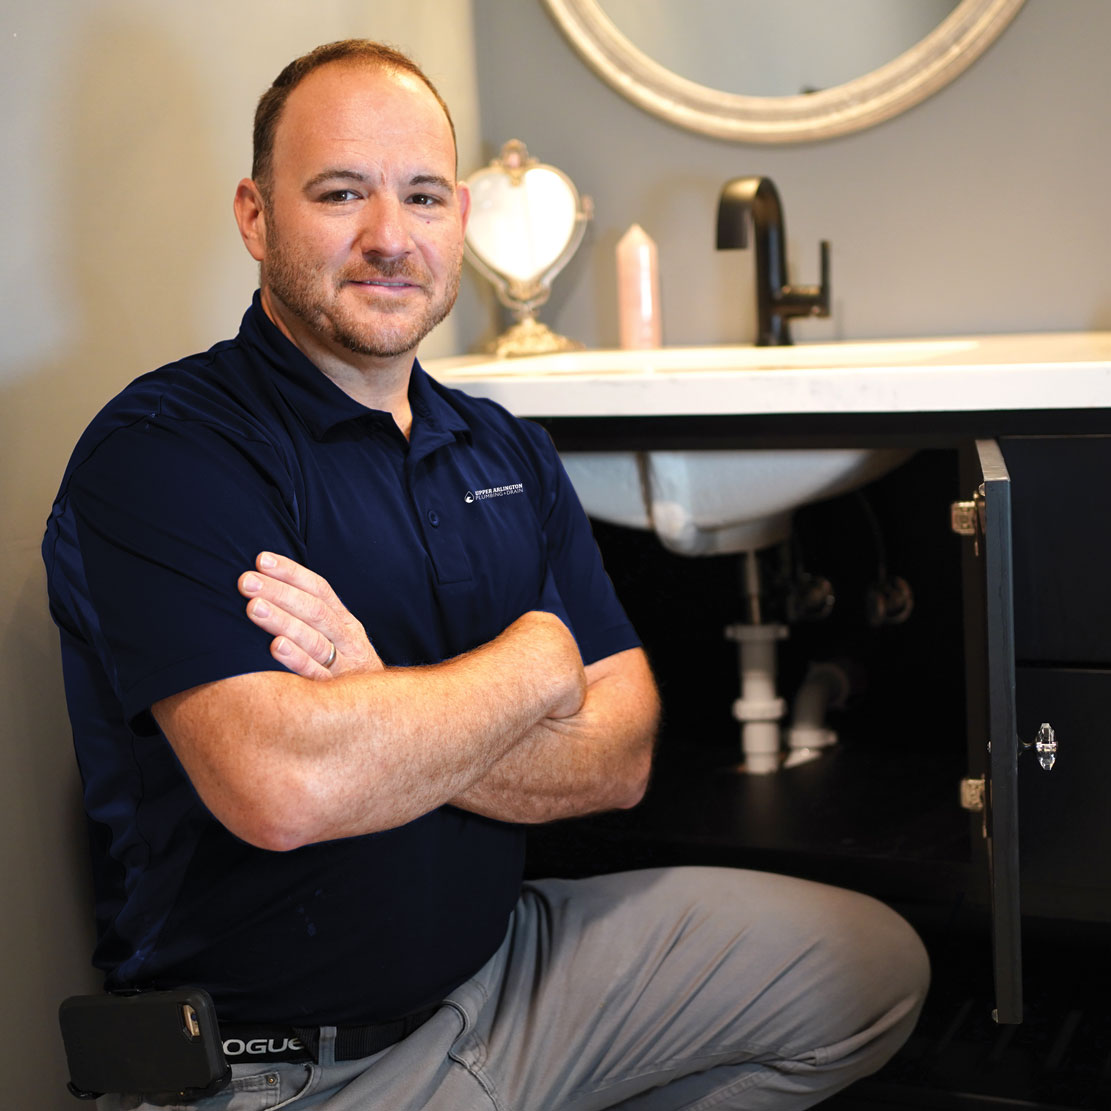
(702, 502)
(711, 502)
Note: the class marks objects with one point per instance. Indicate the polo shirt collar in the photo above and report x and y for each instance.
(322, 405)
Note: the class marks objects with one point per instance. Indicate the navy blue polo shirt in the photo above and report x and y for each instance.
(436, 544)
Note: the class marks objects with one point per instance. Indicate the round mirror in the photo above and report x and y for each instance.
(526, 222)
(681, 81)
(781, 48)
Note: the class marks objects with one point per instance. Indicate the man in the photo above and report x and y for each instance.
(315, 810)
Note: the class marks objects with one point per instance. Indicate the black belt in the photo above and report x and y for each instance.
(246, 1042)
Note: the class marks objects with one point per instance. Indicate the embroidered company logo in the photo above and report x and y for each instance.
(494, 492)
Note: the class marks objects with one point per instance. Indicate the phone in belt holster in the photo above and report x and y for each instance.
(144, 1043)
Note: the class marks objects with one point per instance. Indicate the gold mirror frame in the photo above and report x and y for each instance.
(863, 102)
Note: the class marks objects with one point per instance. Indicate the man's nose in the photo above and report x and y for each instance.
(383, 229)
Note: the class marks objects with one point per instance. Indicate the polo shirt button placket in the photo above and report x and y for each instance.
(441, 540)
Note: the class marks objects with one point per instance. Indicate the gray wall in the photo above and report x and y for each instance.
(985, 208)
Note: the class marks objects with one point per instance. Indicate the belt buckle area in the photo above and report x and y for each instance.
(245, 1044)
(261, 1043)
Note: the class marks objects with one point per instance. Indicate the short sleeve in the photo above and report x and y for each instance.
(165, 515)
(598, 620)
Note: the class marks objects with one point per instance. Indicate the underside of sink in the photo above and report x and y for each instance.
(713, 502)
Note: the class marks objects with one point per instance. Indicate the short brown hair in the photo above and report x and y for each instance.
(272, 101)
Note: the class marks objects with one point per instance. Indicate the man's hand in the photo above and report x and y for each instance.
(598, 758)
(306, 618)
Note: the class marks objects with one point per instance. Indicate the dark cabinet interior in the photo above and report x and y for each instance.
(881, 807)
(881, 811)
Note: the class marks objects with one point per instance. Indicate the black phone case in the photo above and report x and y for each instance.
(156, 1041)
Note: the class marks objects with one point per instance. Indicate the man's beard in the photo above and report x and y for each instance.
(392, 332)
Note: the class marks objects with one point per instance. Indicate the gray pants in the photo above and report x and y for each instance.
(657, 990)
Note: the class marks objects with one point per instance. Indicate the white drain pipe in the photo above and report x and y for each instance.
(826, 684)
(759, 708)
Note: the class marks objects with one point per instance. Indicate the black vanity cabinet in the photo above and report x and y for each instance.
(1061, 529)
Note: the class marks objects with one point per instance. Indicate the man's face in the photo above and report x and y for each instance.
(363, 221)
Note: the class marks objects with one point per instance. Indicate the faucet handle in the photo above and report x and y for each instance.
(823, 289)
(807, 300)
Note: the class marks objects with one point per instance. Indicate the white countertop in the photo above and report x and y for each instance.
(1053, 370)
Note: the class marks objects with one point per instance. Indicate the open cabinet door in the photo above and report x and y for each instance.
(993, 738)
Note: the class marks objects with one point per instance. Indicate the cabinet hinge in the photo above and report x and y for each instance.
(972, 794)
(966, 518)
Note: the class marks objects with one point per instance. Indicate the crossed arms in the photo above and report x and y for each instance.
(517, 729)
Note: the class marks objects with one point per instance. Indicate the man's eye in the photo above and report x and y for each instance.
(339, 196)
(425, 199)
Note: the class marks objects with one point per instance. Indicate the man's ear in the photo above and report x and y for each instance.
(250, 215)
(464, 202)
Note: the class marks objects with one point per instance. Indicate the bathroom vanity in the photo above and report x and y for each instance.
(1010, 438)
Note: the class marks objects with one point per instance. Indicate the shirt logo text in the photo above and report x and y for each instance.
(494, 492)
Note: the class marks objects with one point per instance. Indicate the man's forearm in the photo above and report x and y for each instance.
(598, 759)
(284, 761)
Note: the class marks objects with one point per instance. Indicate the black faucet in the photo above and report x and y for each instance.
(775, 299)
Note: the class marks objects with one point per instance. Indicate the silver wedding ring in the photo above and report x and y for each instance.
(331, 656)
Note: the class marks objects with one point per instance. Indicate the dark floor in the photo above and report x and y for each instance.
(1058, 1057)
